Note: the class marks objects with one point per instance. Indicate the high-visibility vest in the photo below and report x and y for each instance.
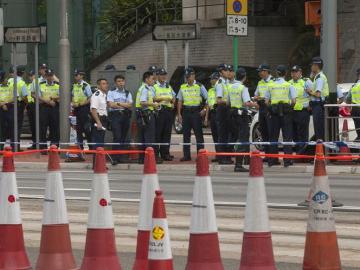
(211, 97)
(6, 93)
(49, 91)
(19, 86)
(263, 87)
(225, 88)
(30, 99)
(235, 95)
(325, 90)
(164, 92)
(299, 86)
(279, 92)
(191, 94)
(138, 96)
(355, 94)
(78, 92)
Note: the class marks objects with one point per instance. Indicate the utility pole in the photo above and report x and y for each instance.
(64, 73)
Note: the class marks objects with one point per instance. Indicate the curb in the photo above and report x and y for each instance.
(188, 167)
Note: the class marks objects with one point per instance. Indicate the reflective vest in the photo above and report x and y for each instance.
(19, 86)
(138, 95)
(263, 86)
(30, 99)
(191, 94)
(279, 92)
(49, 91)
(299, 86)
(211, 97)
(6, 94)
(164, 92)
(235, 95)
(78, 92)
(355, 94)
(325, 90)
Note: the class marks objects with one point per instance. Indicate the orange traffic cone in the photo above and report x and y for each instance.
(12, 248)
(160, 256)
(100, 248)
(343, 148)
(150, 184)
(257, 251)
(204, 250)
(321, 247)
(55, 246)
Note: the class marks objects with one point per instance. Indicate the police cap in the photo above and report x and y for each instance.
(11, 69)
(31, 73)
(49, 72)
(240, 73)
(222, 67)
(2, 75)
(230, 67)
(296, 68)
(131, 67)
(161, 71)
(214, 76)
(263, 67)
(110, 67)
(20, 69)
(317, 61)
(152, 69)
(281, 69)
(43, 66)
(189, 71)
(79, 72)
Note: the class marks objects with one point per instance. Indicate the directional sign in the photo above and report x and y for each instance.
(237, 25)
(174, 32)
(25, 35)
(237, 7)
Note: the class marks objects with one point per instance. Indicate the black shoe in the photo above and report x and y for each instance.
(32, 147)
(215, 160)
(239, 168)
(337, 204)
(167, 158)
(114, 162)
(159, 160)
(288, 164)
(185, 159)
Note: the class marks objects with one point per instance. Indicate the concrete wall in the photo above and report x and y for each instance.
(207, 10)
(263, 44)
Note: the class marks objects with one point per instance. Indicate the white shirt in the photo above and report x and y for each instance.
(98, 102)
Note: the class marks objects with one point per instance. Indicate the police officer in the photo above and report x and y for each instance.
(232, 79)
(222, 112)
(49, 109)
(120, 102)
(165, 96)
(238, 100)
(145, 106)
(99, 114)
(280, 97)
(259, 96)
(6, 110)
(22, 96)
(30, 107)
(353, 97)
(318, 95)
(301, 115)
(81, 94)
(211, 112)
(190, 112)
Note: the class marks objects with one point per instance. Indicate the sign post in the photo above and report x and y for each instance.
(16, 35)
(167, 32)
(237, 24)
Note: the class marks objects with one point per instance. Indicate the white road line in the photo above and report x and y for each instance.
(80, 189)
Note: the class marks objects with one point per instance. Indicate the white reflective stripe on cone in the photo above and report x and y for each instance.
(203, 217)
(159, 244)
(321, 218)
(150, 183)
(9, 199)
(100, 211)
(54, 202)
(256, 213)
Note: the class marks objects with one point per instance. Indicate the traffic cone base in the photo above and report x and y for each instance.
(141, 261)
(257, 252)
(12, 248)
(100, 250)
(319, 256)
(55, 248)
(164, 264)
(203, 256)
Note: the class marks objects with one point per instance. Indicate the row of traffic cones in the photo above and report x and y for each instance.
(153, 243)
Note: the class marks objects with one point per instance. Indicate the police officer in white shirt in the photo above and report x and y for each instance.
(98, 107)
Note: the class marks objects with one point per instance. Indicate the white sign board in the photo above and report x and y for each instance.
(25, 35)
(1, 27)
(237, 25)
(174, 32)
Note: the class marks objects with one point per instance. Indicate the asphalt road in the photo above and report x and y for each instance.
(283, 187)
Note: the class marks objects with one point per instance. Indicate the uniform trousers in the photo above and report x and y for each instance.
(120, 124)
(83, 125)
(49, 119)
(192, 121)
(164, 121)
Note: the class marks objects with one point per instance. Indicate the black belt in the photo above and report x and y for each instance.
(192, 108)
(302, 110)
(166, 109)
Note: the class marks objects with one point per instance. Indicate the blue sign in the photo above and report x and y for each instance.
(237, 6)
(320, 197)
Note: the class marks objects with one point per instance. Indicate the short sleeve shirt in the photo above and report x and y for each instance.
(98, 102)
